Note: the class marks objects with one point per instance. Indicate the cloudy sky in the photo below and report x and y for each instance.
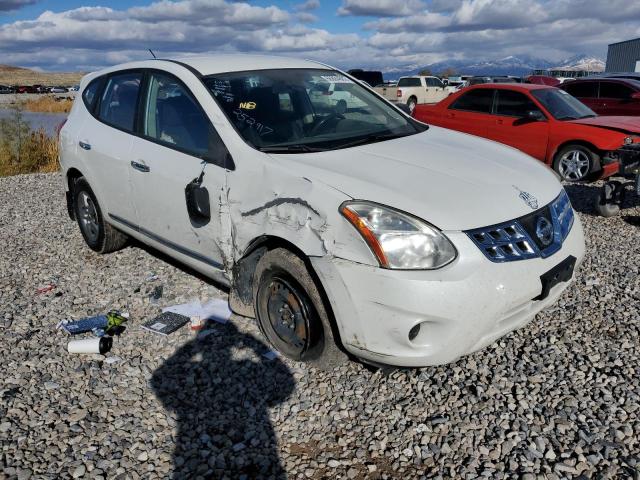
(87, 34)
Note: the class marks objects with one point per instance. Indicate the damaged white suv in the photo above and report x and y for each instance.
(342, 227)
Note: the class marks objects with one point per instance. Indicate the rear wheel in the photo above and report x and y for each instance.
(290, 310)
(413, 101)
(574, 163)
(99, 235)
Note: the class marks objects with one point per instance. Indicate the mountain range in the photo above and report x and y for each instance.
(512, 65)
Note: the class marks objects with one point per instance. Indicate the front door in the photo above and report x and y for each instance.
(512, 126)
(176, 137)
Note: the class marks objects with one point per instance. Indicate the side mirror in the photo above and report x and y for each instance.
(535, 115)
(198, 205)
(404, 107)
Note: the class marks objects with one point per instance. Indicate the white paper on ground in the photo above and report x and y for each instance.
(216, 309)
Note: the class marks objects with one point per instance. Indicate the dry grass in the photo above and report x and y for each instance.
(23, 150)
(10, 75)
(48, 103)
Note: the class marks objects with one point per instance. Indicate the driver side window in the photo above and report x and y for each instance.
(174, 118)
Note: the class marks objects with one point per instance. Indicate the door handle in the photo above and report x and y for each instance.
(84, 145)
(451, 115)
(499, 121)
(141, 167)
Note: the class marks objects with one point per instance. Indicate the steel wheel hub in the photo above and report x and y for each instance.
(88, 216)
(287, 315)
(574, 165)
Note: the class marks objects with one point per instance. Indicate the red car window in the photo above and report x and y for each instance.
(582, 90)
(615, 90)
(514, 104)
(480, 100)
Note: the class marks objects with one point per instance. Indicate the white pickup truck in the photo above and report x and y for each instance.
(416, 90)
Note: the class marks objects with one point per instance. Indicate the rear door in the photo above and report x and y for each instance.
(615, 99)
(586, 92)
(471, 112)
(175, 138)
(105, 142)
(512, 126)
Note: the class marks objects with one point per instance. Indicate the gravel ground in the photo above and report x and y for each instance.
(557, 399)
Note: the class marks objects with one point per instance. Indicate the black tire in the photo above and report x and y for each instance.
(103, 238)
(411, 103)
(291, 313)
(592, 158)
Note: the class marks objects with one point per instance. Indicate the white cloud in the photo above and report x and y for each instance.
(401, 35)
(380, 8)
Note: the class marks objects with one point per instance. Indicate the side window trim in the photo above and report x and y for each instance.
(226, 162)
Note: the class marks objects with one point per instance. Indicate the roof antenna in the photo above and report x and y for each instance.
(154, 55)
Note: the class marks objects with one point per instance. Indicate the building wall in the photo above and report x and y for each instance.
(622, 57)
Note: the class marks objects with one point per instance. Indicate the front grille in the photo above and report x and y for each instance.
(526, 237)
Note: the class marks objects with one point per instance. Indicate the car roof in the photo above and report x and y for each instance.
(219, 63)
(508, 86)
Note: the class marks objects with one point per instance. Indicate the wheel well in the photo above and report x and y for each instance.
(414, 97)
(73, 175)
(241, 294)
(583, 143)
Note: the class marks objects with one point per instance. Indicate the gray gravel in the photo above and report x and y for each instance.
(559, 398)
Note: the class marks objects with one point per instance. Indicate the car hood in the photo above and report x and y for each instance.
(454, 181)
(621, 124)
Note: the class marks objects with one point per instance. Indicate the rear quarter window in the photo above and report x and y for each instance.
(90, 93)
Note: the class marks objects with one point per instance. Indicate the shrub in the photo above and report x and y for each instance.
(23, 150)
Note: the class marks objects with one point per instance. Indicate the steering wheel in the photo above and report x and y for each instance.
(325, 121)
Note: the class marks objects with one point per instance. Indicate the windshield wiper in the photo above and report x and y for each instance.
(296, 148)
(567, 117)
(372, 139)
(591, 115)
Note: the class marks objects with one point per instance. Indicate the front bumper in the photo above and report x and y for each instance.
(461, 308)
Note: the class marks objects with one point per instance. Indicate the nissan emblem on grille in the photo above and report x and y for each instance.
(528, 198)
(544, 231)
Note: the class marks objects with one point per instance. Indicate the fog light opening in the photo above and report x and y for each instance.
(413, 333)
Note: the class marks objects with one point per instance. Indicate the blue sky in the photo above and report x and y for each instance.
(386, 34)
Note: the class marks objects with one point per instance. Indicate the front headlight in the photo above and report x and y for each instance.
(398, 240)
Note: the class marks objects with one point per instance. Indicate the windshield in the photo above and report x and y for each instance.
(562, 105)
(305, 110)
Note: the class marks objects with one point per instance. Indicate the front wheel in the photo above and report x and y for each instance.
(290, 310)
(574, 163)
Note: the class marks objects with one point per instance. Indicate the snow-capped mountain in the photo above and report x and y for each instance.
(512, 65)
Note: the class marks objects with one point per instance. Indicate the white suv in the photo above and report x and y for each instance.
(355, 230)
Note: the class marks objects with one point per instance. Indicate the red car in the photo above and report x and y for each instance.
(544, 122)
(607, 96)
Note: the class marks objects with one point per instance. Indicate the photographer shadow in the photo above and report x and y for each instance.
(220, 387)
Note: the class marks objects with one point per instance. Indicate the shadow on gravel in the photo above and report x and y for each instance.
(583, 196)
(221, 394)
(175, 263)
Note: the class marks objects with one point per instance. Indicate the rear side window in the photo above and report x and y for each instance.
(479, 100)
(615, 90)
(90, 94)
(119, 100)
(174, 118)
(582, 90)
(514, 104)
(409, 82)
